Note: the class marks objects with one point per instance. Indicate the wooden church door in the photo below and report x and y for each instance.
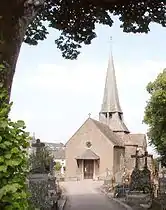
(88, 169)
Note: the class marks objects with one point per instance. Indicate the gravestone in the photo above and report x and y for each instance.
(140, 192)
(162, 188)
(42, 185)
(108, 177)
(135, 176)
(38, 163)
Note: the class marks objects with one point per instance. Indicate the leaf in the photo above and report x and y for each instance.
(2, 67)
(9, 188)
(7, 143)
(20, 123)
(13, 162)
(3, 124)
(14, 150)
(3, 146)
(1, 159)
(3, 168)
(8, 156)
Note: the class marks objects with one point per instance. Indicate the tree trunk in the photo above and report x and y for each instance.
(13, 25)
(12, 31)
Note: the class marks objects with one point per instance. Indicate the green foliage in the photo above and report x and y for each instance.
(155, 114)
(13, 159)
(58, 166)
(77, 19)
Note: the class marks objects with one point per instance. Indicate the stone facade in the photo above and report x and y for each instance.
(100, 145)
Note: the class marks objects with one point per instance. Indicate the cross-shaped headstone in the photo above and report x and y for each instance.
(146, 155)
(38, 165)
(137, 157)
(38, 145)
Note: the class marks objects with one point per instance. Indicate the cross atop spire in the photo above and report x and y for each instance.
(111, 112)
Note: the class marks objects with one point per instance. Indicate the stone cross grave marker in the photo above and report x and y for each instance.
(146, 155)
(140, 186)
(38, 164)
(135, 183)
(146, 174)
(38, 145)
(137, 157)
(141, 178)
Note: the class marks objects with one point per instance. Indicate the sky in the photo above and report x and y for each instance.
(54, 96)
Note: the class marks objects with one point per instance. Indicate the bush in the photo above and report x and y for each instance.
(58, 166)
(14, 142)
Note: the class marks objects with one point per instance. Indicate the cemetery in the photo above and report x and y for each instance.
(34, 175)
(143, 189)
(45, 192)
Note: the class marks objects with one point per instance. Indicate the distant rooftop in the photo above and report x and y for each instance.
(54, 146)
(59, 154)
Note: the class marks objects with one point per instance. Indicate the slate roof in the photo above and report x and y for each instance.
(88, 155)
(115, 139)
(111, 104)
(111, 98)
(54, 146)
(116, 124)
(139, 139)
(59, 154)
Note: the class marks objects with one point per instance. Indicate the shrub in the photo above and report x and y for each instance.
(58, 166)
(14, 142)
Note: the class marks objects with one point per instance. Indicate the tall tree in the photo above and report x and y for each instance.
(155, 114)
(22, 20)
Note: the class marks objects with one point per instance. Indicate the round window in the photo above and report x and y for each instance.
(88, 144)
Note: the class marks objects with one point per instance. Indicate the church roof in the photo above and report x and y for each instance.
(134, 139)
(116, 124)
(139, 139)
(111, 106)
(111, 98)
(88, 155)
(108, 133)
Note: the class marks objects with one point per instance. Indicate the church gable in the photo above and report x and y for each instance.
(91, 144)
(88, 132)
(92, 128)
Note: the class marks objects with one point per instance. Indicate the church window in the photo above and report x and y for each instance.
(110, 115)
(105, 114)
(88, 144)
(120, 116)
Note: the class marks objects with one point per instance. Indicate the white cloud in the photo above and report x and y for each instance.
(55, 78)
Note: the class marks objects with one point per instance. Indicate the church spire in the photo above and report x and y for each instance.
(111, 98)
(111, 112)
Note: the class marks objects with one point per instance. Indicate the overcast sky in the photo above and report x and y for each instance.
(54, 96)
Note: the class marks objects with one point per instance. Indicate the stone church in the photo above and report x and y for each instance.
(104, 146)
